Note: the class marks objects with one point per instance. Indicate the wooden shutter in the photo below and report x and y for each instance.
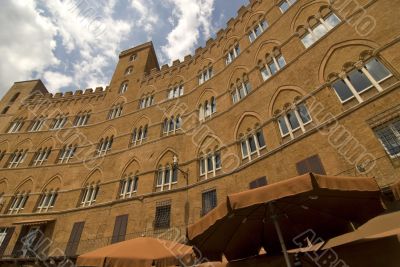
(258, 182)
(6, 240)
(119, 228)
(73, 242)
(311, 164)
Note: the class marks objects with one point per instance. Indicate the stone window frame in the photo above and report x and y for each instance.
(232, 53)
(272, 64)
(123, 88)
(205, 74)
(41, 156)
(240, 89)
(394, 126)
(283, 117)
(128, 70)
(289, 4)
(59, 121)
(16, 125)
(89, 195)
(139, 135)
(17, 158)
(104, 146)
(37, 124)
(171, 125)
(360, 65)
(308, 32)
(18, 203)
(208, 196)
(128, 186)
(245, 143)
(66, 153)
(262, 24)
(115, 111)
(82, 118)
(176, 91)
(207, 109)
(204, 162)
(166, 177)
(146, 101)
(47, 200)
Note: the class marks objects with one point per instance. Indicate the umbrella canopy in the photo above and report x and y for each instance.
(138, 252)
(379, 227)
(248, 221)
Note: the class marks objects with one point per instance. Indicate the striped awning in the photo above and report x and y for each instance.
(34, 222)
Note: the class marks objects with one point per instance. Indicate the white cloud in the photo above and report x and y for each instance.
(56, 80)
(194, 18)
(89, 29)
(148, 17)
(26, 42)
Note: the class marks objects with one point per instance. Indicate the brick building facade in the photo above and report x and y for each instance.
(287, 88)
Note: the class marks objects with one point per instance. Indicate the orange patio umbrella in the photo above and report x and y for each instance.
(138, 252)
(275, 216)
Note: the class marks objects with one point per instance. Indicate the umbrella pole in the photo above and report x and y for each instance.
(280, 236)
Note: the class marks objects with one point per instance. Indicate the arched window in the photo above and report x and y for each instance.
(252, 144)
(129, 186)
(166, 177)
(129, 70)
(47, 201)
(274, 62)
(210, 163)
(319, 28)
(18, 202)
(123, 88)
(363, 77)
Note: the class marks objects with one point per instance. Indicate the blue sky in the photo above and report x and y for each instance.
(74, 44)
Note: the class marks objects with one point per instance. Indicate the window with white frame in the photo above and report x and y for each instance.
(129, 186)
(129, 70)
(210, 163)
(59, 122)
(16, 125)
(176, 91)
(205, 75)
(37, 124)
(89, 195)
(209, 201)
(115, 112)
(18, 203)
(321, 28)
(81, 119)
(257, 30)
(293, 120)
(364, 77)
(139, 135)
(104, 146)
(273, 65)
(123, 88)
(240, 91)
(208, 108)
(47, 201)
(172, 124)
(67, 153)
(3, 234)
(252, 144)
(232, 54)
(166, 177)
(286, 4)
(41, 156)
(389, 136)
(17, 158)
(146, 102)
